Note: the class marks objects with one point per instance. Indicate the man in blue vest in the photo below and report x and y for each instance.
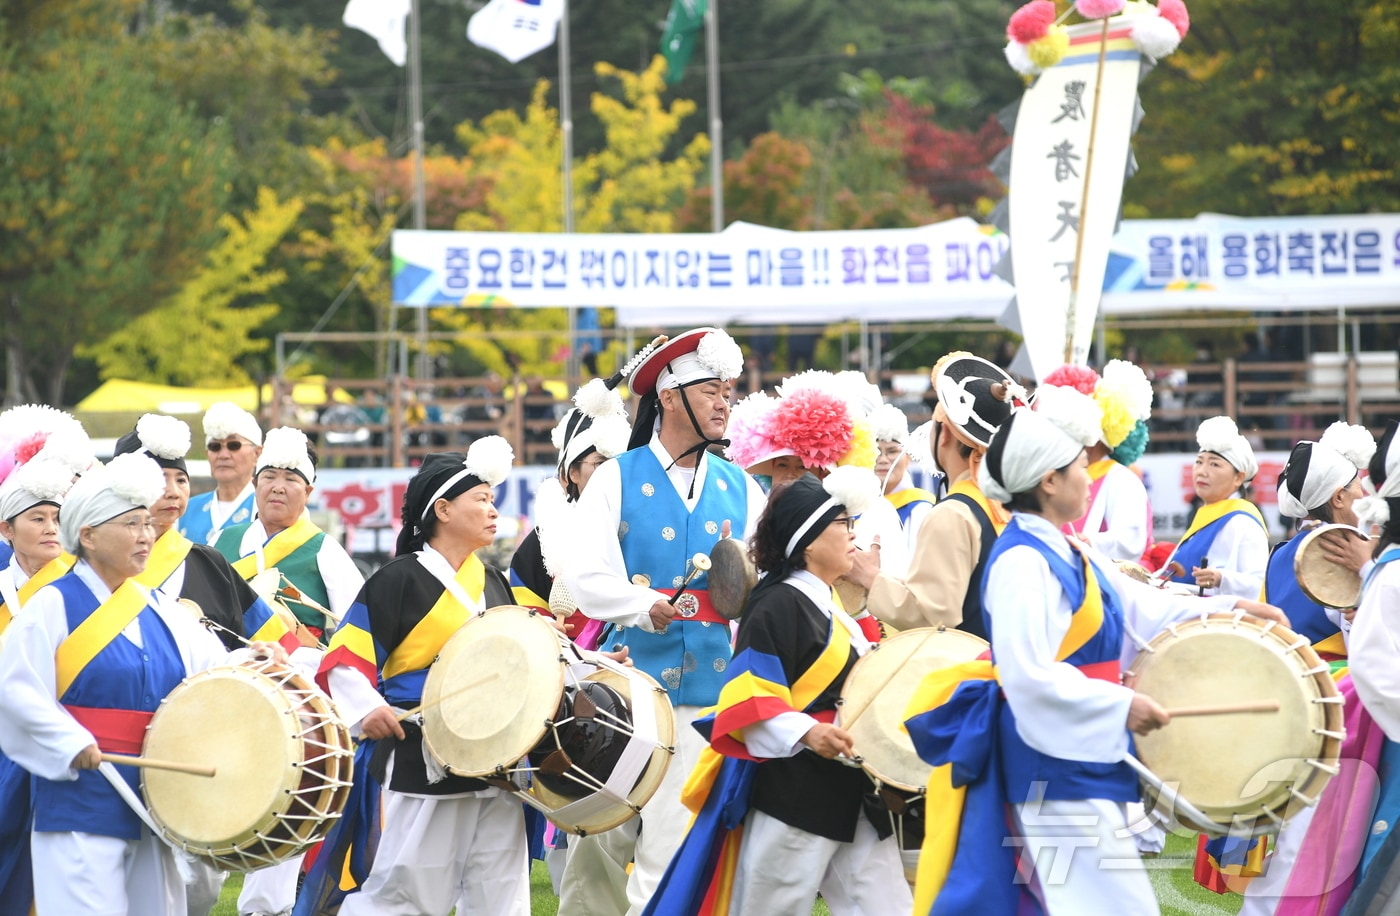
(642, 518)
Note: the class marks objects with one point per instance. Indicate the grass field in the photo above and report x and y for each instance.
(1170, 873)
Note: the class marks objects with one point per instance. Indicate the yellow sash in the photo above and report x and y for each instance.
(941, 833)
(1214, 512)
(50, 572)
(47, 573)
(446, 617)
(1100, 468)
(999, 516)
(901, 498)
(166, 556)
(280, 546)
(96, 632)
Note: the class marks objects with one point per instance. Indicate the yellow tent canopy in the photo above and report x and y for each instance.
(119, 395)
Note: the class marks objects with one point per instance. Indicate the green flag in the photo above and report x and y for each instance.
(683, 24)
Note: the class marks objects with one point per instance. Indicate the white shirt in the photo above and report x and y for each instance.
(35, 730)
(911, 528)
(597, 575)
(781, 736)
(1122, 510)
(1241, 552)
(1059, 711)
(12, 579)
(1375, 645)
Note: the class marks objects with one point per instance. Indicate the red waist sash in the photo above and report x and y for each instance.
(118, 731)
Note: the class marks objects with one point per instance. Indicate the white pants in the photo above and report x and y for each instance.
(595, 879)
(781, 869)
(465, 851)
(202, 893)
(1086, 861)
(105, 876)
(1261, 898)
(271, 890)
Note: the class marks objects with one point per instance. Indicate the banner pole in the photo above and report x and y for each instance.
(1071, 311)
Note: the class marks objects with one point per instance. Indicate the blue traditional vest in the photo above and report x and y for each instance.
(197, 523)
(1025, 770)
(658, 535)
(121, 676)
(1281, 589)
(1189, 552)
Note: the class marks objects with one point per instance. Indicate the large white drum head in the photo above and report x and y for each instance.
(238, 721)
(490, 694)
(1241, 764)
(877, 692)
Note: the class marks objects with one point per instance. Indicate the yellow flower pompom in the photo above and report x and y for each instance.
(863, 449)
(1048, 51)
(1118, 419)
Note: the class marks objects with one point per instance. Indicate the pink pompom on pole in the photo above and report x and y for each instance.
(1031, 21)
(1099, 9)
(1174, 11)
(30, 447)
(1080, 378)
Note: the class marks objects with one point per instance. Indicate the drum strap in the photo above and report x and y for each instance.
(166, 556)
(93, 634)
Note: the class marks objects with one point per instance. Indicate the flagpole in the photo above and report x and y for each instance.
(1071, 313)
(716, 119)
(566, 123)
(415, 114)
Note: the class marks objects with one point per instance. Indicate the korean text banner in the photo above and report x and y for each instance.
(745, 273)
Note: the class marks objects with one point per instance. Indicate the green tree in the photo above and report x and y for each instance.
(112, 194)
(201, 333)
(1274, 108)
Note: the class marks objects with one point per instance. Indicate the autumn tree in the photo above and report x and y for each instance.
(764, 186)
(112, 195)
(1272, 109)
(200, 334)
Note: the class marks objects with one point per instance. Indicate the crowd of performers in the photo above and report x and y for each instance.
(1035, 534)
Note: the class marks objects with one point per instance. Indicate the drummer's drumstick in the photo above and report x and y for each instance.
(291, 591)
(461, 689)
(1225, 709)
(154, 764)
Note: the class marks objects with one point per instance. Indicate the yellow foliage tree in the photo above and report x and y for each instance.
(627, 186)
(198, 335)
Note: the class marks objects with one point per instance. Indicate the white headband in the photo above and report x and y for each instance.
(1026, 448)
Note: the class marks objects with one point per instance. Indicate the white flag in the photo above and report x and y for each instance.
(515, 29)
(382, 20)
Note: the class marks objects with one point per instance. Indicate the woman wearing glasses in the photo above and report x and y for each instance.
(774, 726)
(233, 441)
(84, 668)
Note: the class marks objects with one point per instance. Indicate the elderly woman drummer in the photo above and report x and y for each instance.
(1061, 619)
(776, 713)
(84, 668)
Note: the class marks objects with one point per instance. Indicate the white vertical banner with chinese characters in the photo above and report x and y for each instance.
(1049, 155)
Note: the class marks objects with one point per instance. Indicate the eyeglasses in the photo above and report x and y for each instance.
(133, 526)
(232, 445)
(846, 520)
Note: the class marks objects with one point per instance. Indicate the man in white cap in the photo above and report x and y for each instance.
(233, 441)
(642, 517)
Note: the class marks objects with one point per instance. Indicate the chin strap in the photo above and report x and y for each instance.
(698, 447)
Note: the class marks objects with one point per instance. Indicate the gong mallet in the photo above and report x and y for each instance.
(698, 564)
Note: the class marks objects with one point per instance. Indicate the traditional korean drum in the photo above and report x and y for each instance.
(1323, 581)
(582, 739)
(1241, 773)
(283, 762)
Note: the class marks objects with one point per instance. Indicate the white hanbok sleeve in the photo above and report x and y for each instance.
(882, 519)
(1125, 516)
(354, 696)
(780, 736)
(342, 578)
(35, 730)
(1375, 645)
(1059, 710)
(1148, 610)
(1241, 551)
(597, 574)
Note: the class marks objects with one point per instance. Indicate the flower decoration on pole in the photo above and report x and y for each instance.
(1037, 40)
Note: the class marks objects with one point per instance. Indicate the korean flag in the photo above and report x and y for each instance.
(515, 29)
